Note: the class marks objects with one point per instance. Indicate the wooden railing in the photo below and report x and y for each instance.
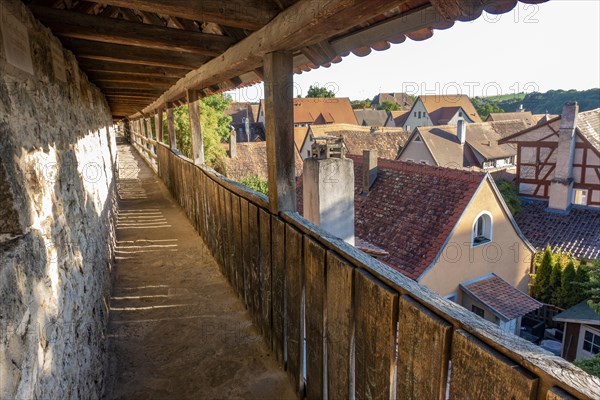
(367, 331)
(147, 147)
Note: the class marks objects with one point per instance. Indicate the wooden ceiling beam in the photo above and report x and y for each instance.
(115, 31)
(108, 66)
(246, 14)
(85, 49)
(116, 77)
(304, 23)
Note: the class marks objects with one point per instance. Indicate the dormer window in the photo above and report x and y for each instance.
(482, 229)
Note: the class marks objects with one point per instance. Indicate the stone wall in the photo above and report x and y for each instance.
(57, 202)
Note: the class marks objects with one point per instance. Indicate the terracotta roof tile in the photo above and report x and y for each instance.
(368, 117)
(433, 104)
(387, 141)
(323, 111)
(501, 297)
(251, 159)
(577, 233)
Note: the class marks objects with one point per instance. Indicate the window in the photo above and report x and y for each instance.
(580, 197)
(460, 114)
(410, 160)
(591, 342)
(419, 114)
(482, 228)
(418, 138)
(415, 113)
(424, 162)
(478, 311)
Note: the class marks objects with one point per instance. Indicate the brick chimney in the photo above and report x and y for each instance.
(461, 130)
(233, 144)
(369, 170)
(561, 187)
(328, 189)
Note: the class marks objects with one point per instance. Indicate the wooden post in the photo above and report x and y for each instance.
(195, 127)
(149, 133)
(171, 127)
(158, 119)
(279, 122)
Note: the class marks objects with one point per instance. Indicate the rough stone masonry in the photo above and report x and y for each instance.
(57, 205)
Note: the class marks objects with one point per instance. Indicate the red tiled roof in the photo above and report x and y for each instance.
(410, 210)
(577, 233)
(435, 103)
(501, 297)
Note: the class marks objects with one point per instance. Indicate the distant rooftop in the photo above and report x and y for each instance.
(580, 312)
(577, 232)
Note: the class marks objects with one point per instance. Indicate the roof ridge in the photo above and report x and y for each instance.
(426, 169)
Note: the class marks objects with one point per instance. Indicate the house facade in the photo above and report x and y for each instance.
(434, 110)
(466, 146)
(444, 228)
(559, 160)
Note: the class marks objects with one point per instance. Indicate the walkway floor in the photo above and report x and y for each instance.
(177, 330)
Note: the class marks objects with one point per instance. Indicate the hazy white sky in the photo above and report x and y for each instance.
(553, 45)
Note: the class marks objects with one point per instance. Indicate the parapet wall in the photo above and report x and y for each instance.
(57, 204)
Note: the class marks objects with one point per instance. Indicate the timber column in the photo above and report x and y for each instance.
(279, 124)
(171, 127)
(195, 127)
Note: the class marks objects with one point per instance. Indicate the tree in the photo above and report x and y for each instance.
(255, 183)
(215, 126)
(593, 286)
(389, 106)
(567, 295)
(485, 106)
(510, 194)
(358, 104)
(317, 91)
(581, 280)
(541, 278)
(554, 286)
(591, 366)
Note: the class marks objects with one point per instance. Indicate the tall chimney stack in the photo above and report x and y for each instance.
(561, 186)
(233, 143)
(328, 189)
(461, 130)
(369, 169)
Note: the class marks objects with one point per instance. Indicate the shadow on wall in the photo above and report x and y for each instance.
(58, 156)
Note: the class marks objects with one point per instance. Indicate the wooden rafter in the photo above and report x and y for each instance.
(108, 66)
(247, 14)
(109, 30)
(132, 54)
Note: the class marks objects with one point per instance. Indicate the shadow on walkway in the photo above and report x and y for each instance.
(177, 330)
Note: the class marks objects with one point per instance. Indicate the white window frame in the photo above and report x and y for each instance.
(584, 195)
(581, 353)
(490, 229)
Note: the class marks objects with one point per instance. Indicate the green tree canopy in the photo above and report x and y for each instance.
(555, 283)
(389, 106)
(541, 279)
(318, 91)
(593, 286)
(510, 194)
(358, 104)
(568, 296)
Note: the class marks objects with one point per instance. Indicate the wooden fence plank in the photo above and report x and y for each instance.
(375, 337)
(252, 256)
(479, 372)
(314, 263)
(265, 276)
(228, 244)
(245, 260)
(294, 276)
(223, 232)
(278, 287)
(559, 394)
(340, 327)
(424, 341)
(237, 243)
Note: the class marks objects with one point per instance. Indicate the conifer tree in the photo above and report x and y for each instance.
(568, 294)
(554, 286)
(542, 277)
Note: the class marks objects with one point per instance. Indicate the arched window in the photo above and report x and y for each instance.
(482, 228)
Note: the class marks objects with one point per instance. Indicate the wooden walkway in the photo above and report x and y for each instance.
(177, 330)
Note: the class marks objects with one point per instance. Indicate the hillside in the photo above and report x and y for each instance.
(538, 103)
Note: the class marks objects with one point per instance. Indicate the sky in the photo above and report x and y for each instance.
(553, 45)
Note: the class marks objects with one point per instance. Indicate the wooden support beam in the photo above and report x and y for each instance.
(171, 127)
(279, 124)
(246, 14)
(304, 23)
(149, 132)
(86, 49)
(110, 66)
(195, 127)
(110, 30)
(131, 85)
(133, 78)
(158, 122)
